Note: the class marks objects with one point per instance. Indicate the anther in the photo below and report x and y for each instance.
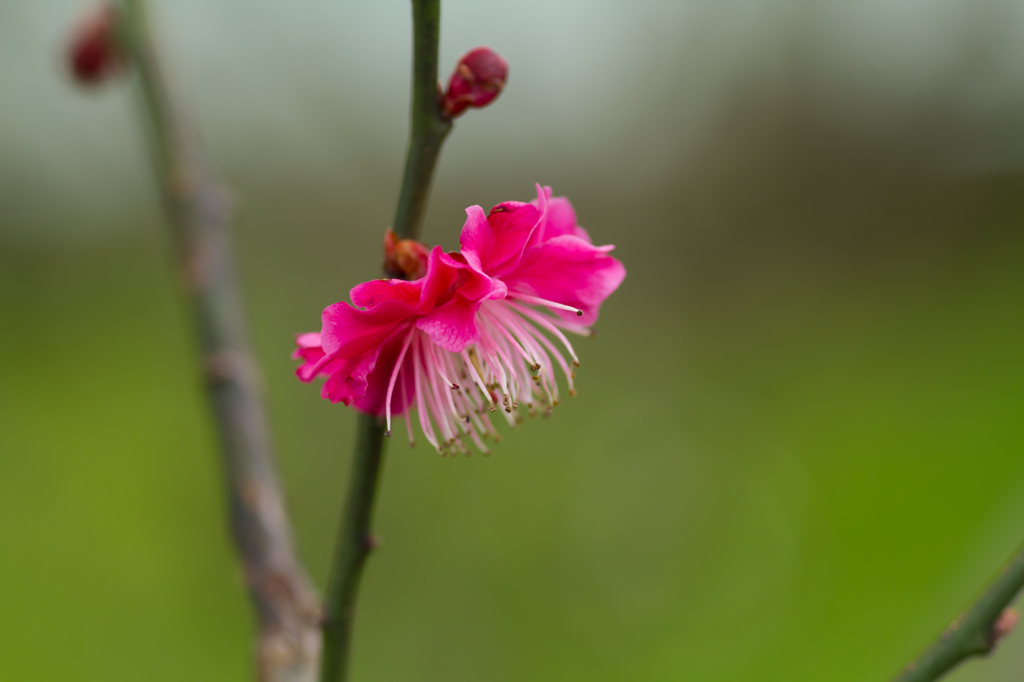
(388, 433)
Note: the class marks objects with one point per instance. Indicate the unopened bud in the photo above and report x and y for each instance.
(478, 78)
(93, 51)
(405, 258)
(1004, 624)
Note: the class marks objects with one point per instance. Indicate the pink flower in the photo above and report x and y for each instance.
(468, 336)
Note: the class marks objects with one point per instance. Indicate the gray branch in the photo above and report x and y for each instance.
(286, 604)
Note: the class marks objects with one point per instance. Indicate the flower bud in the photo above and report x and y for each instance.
(404, 258)
(1004, 624)
(93, 52)
(478, 78)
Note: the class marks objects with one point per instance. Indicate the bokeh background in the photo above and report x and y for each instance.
(796, 451)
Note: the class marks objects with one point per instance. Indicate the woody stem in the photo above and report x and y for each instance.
(427, 132)
(199, 218)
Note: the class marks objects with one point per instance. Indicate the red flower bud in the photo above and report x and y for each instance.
(93, 52)
(404, 258)
(478, 78)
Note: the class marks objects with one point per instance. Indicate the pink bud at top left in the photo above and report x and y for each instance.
(478, 79)
(93, 52)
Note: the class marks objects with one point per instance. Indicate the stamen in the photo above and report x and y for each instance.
(394, 377)
(458, 420)
(479, 443)
(505, 363)
(408, 406)
(472, 415)
(499, 370)
(501, 327)
(533, 300)
(569, 374)
(439, 367)
(546, 323)
(474, 372)
(421, 407)
(435, 403)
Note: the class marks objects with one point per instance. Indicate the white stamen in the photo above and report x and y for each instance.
(533, 300)
(546, 323)
(394, 377)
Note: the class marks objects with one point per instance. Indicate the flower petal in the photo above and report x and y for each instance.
(369, 294)
(570, 271)
(493, 245)
(452, 326)
(372, 400)
(560, 220)
(349, 380)
(442, 273)
(350, 332)
(308, 340)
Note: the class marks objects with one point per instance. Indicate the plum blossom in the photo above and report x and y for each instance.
(483, 330)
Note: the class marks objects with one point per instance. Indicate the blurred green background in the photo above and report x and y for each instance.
(796, 451)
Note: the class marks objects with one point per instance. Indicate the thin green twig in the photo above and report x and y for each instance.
(428, 130)
(976, 631)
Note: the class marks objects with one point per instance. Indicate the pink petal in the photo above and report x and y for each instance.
(494, 245)
(372, 401)
(348, 382)
(442, 273)
(350, 332)
(559, 221)
(308, 340)
(453, 325)
(315, 361)
(570, 271)
(480, 287)
(476, 239)
(369, 294)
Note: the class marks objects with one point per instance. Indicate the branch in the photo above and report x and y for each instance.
(353, 547)
(286, 605)
(428, 127)
(976, 631)
(428, 130)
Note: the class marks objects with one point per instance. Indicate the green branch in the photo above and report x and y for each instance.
(353, 546)
(976, 631)
(428, 130)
